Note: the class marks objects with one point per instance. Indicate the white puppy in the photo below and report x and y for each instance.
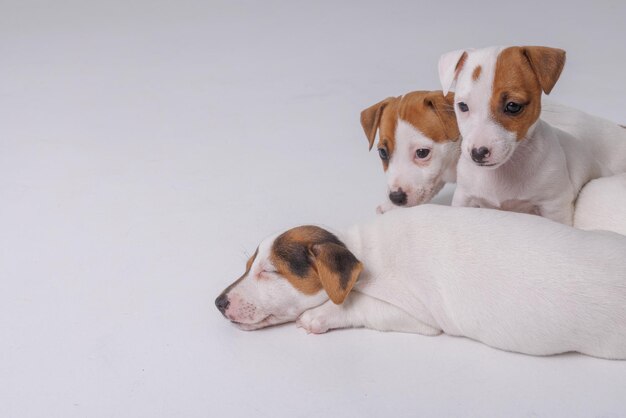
(513, 281)
(512, 159)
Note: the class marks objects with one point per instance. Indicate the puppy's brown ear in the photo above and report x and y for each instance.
(547, 64)
(443, 107)
(370, 119)
(337, 269)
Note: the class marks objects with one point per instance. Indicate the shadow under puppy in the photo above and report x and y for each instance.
(513, 281)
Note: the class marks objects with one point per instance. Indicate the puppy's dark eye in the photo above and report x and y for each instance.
(463, 107)
(383, 154)
(422, 153)
(513, 108)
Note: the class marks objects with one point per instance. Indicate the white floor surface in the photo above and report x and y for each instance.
(147, 147)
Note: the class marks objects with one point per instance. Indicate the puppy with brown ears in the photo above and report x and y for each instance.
(418, 144)
(432, 269)
(512, 159)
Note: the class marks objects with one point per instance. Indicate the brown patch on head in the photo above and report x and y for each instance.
(430, 112)
(476, 72)
(311, 258)
(521, 74)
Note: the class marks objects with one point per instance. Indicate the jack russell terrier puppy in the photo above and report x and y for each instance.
(511, 158)
(419, 145)
(433, 269)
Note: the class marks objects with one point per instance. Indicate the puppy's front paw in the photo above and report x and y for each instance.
(313, 322)
(384, 207)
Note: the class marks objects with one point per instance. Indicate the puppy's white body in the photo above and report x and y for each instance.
(543, 176)
(606, 139)
(602, 205)
(513, 281)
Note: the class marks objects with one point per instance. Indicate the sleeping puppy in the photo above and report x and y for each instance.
(433, 269)
(511, 158)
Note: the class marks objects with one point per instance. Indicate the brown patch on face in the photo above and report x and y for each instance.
(387, 130)
(521, 74)
(476, 72)
(311, 258)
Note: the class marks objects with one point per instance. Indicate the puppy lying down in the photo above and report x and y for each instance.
(512, 281)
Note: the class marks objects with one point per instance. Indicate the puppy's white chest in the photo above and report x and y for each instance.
(495, 189)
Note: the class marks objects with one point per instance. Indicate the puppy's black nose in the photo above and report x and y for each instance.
(398, 197)
(222, 303)
(479, 154)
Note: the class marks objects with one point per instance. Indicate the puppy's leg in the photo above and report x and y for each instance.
(460, 198)
(560, 211)
(360, 310)
(386, 206)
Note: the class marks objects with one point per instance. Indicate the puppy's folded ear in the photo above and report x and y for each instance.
(370, 119)
(547, 64)
(337, 269)
(443, 107)
(450, 64)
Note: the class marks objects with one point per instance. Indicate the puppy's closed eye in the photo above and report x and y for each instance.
(266, 272)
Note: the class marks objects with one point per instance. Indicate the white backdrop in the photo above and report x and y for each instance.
(147, 146)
